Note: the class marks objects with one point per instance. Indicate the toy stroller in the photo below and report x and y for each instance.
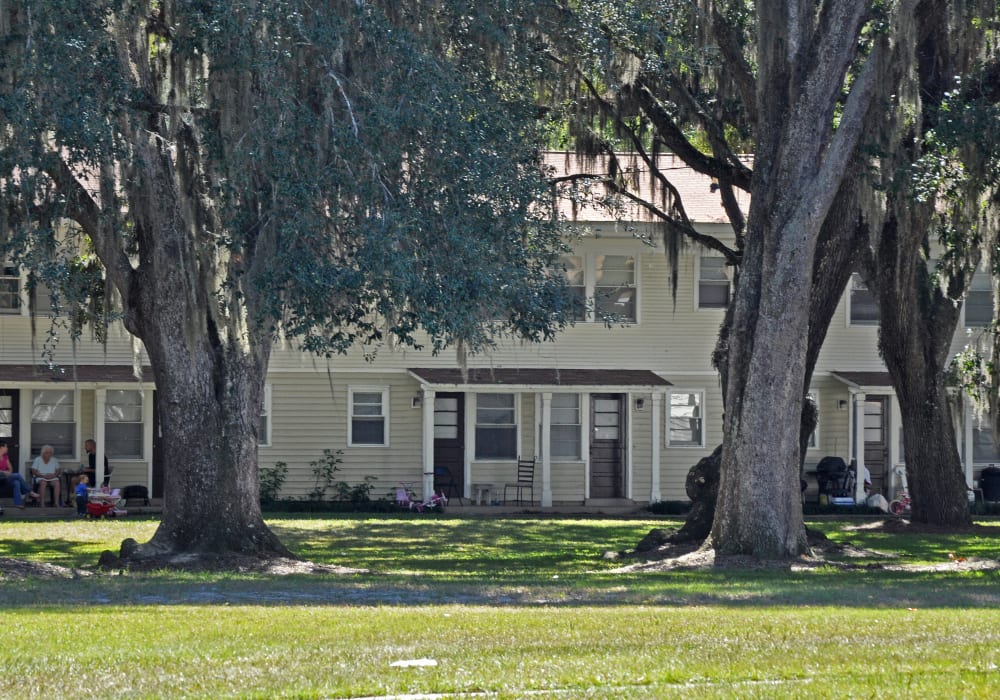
(102, 503)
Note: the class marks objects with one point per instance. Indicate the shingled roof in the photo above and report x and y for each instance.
(541, 377)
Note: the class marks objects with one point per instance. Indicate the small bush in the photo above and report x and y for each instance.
(669, 507)
(271, 480)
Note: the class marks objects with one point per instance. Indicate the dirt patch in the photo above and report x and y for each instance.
(22, 569)
(238, 563)
(823, 552)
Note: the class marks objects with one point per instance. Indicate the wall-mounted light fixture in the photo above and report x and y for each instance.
(417, 401)
(842, 405)
(640, 404)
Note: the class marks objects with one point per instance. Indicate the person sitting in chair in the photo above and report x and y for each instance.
(90, 469)
(18, 488)
(47, 472)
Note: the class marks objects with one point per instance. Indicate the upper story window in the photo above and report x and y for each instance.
(604, 286)
(979, 301)
(369, 417)
(10, 290)
(862, 308)
(576, 281)
(714, 286)
(984, 448)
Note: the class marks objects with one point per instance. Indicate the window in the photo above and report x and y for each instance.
(979, 301)
(496, 426)
(576, 281)
(714, 285)
(984, 449)
(686, 419)
(814, 436)
(369, 424)
(565, 428)
(863, 309)
(123, 429)
(53, 422)
(264, 426)
(10, 290)
(614, 287)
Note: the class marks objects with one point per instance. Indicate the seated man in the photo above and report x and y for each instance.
(89, 469)
(47, 472)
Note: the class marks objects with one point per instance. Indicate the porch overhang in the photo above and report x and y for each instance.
(84, 376)
(866, 382)
(539, 379)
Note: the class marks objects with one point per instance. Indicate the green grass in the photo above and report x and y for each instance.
(509, 607)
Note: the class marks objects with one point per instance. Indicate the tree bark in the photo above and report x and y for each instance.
(798, 167)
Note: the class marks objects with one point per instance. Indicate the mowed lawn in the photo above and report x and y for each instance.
(503, 607)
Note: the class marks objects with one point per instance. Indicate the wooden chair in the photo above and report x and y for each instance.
(525, 480)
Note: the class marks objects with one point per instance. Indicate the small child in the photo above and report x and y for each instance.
(81, 495)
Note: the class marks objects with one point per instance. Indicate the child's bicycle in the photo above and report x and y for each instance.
(901, 504)
(405, 497)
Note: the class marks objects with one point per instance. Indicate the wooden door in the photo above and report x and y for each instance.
(449, 438)
(10, 422)
(877, 441)
(607, 446)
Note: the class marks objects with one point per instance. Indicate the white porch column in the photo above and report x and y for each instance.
(428, 436)
(654, 477)
(895, 430)
(147, 435)
(629, 413)
(585, 443)
(100, 404)
(546, 444)
(968, 461)
(859, 447)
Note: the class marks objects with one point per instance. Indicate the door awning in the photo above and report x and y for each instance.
(871, 382)
(539, 379)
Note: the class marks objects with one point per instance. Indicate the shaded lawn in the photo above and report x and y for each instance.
(506, 606)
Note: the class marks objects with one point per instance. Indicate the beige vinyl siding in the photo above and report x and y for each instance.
(641, 433)
(676, 462)
(567, 482)
(16, 345)
(309, 415)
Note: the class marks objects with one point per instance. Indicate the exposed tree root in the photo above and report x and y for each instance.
(659, 551)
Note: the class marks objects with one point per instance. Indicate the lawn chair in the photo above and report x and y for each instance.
(525, 480)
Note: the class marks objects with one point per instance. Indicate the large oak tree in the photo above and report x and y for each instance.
(339, 172)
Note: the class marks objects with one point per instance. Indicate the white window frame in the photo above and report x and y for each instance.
(72, 456)
(667, 416)
(980, 274)
(850, 287)
(517, 426)
(578, 424)
(265, 414)
(351, 391)
(589, 265)
(814, 437)
(698, 281)
(18, 292)
(141, 423)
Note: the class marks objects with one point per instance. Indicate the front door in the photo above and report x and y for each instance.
(9, 424)
(449, 442)
(877, 440)
(607, 446)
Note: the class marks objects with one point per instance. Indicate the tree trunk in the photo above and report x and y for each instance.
(798, 167)
(918, 321)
